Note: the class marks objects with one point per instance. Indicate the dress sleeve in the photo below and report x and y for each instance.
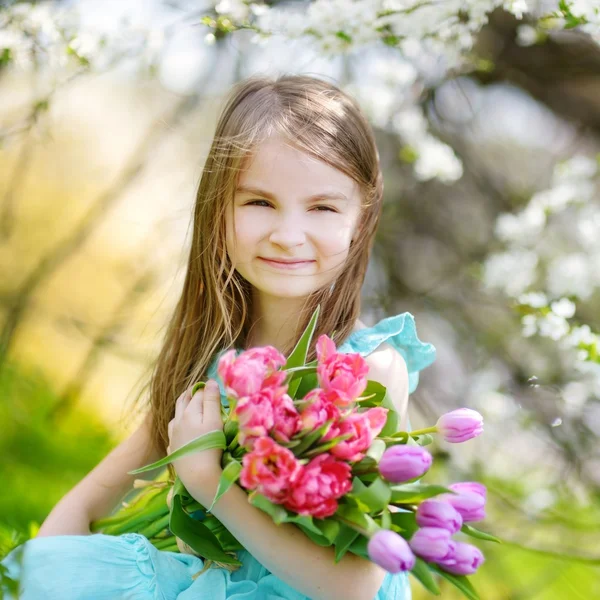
(401, 333)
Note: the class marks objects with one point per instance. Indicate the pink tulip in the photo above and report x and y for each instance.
(465, 559)
(390, 551)
(343, 375)
(255, 416)
(460, 425)
(437, 513)
(320, 410)
(432, 543)
(469, 500)
(402, 463)
(315, 492)
(270, 469)
(252, 370)
(362, 427)
(286, 420)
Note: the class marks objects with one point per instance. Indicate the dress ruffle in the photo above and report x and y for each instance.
(400, 332)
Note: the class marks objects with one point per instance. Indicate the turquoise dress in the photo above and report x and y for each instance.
(106, 567)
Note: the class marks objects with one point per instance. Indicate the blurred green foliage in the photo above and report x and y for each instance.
(42, 457)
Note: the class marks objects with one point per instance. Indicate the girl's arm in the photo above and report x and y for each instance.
(287, 553)
(99, 492)
(284, 549)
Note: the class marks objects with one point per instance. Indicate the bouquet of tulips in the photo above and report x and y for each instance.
(317, 445)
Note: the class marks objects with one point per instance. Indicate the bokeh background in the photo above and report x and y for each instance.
(107, 110)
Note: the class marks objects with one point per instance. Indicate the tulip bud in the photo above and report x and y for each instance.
(437, 513)
(469, 500)
(403, 463)
(460, 425)
(390, 551)
(432, 543)
(464, 559)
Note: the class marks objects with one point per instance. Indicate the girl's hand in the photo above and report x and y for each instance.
(195, 416)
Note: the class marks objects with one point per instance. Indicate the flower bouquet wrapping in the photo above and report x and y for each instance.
(317, 445)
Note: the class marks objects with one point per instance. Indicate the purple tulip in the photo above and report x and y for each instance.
(437, 513)
(403, 463)
(460, 425)
(469, 500)
(432, 543)
(465, 559)
(390, 551)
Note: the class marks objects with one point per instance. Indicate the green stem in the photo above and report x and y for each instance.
(352, 526)
(417, 432)
(134, 523)
(156, 527)
(164, 543)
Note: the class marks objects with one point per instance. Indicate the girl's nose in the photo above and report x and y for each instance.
(288, 232)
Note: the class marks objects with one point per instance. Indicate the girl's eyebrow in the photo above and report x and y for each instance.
(243, 189)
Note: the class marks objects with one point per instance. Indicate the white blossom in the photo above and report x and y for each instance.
(563, 308)
(570, 275)
(552, 326)
(513, 271)
(522, 228)
(533, 299)
(529, 325)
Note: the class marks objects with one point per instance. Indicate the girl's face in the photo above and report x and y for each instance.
(292, 220)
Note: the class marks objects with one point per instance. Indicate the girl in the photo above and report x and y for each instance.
(284, 220)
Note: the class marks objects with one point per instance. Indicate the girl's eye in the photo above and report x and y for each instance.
(256, 203)
(264, 203)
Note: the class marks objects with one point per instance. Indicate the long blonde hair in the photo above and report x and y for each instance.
(213, 312)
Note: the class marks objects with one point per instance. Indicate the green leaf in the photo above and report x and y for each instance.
(359, 547)
(424, 440)
(459, 581)
(299, 372)
(344, 540)
(386, 518)
(391, 424)
(482, 535)
(410, 493)
(310, 439)
(306, 521)
(228, 477)
(317, 538)
(406, 522)
(275, 511)
(376, 449)
(212, 439)
(227, 540)
(197, 535)
(308, 382)
(198, 386)
(423, 574)
(376, 390)
(330, 528)
(297, 358)
(352, 515)
(376, 496)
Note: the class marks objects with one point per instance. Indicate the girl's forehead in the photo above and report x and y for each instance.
(276, 163)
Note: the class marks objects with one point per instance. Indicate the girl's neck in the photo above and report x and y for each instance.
(274, 321)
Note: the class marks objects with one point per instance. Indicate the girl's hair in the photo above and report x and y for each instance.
(213, 312)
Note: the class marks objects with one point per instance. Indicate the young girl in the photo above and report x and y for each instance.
(284, 220)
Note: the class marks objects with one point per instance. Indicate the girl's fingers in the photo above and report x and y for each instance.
(207, 403)
(182, 402)
(212, 403)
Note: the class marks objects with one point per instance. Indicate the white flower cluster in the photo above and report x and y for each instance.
(553, 245)
(51, 35)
